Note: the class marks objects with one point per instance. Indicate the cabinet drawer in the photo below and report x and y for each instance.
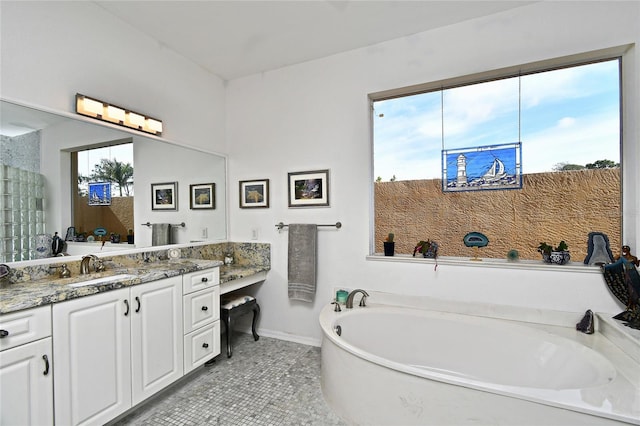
(194, 281)
(201, 308)
(201, 345)
(25, 326)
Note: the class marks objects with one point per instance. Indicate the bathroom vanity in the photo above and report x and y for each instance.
(113, 339)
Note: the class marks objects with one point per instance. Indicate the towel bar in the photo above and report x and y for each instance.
(174, 225)
(281, 225)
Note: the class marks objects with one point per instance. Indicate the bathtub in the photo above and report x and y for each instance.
(395, 365)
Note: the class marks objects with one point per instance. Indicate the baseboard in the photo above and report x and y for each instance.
(303, 340)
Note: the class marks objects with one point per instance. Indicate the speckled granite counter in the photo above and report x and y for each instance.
(30, 294)
(34, 286)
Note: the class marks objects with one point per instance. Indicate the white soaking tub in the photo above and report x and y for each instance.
(399, 366)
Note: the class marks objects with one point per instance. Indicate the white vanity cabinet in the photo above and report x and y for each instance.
(115, 349)
(201, 317)
(26, 369)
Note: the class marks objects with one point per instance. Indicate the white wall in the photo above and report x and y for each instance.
(53, 50)
(315, 115)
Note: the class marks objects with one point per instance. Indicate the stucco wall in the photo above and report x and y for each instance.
(550, 207)
(116, 218)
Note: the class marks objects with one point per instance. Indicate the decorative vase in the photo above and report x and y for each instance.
(42, 244)
(559, 257)
(389, 248)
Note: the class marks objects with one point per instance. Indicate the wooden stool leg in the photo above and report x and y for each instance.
(256, 311)
(227, 324)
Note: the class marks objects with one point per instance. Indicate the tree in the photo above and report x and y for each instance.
(563, 167)
(114, 171)
(603, 164)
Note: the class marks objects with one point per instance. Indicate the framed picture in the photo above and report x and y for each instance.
(164, 196)
(482, 168)
(99, 193)
(202, 196)
(309, 189)
(254, 194)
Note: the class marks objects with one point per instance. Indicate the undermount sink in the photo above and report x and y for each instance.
(104, 280)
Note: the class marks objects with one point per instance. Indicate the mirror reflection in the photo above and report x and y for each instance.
(52, 162)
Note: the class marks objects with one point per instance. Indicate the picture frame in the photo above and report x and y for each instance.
(99, 194)
(254, 194)
(164, 196)
(482, 168)
(202, 196)
(309, 189)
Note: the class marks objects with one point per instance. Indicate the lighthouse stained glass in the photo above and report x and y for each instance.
(482, 168)
(100, 194)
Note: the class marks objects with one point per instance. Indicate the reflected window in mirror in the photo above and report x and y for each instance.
(103, 193)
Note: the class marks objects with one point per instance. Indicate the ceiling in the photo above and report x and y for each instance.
(233, 39)
(237, 38)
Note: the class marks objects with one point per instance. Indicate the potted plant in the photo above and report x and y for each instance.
(558, 255)
(427, 248)
(389, 245)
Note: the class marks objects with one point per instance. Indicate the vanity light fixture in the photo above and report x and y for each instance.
(114, 114)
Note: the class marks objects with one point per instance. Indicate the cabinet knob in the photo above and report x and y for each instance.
(204, 308)
(205, 279)
(205, 345)
(3, 333)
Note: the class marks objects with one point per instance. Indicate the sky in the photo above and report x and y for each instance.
(89, 158)
(569, 115)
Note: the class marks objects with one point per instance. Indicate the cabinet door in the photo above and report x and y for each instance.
(156, 335)
(92, 339)
(26, 384)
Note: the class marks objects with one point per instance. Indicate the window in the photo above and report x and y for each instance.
(566, 123)
(108, 168)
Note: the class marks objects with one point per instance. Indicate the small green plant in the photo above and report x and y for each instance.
(390, 237)
(547, 249)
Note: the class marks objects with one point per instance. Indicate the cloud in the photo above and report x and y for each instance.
(568, 115)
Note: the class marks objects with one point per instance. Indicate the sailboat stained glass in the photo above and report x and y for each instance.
(100, 193)
(482, 168)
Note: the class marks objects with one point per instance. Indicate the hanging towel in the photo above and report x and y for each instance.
(302, 261)
(160, 234)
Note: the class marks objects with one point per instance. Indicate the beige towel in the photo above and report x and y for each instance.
(160, 234)
(302, 261)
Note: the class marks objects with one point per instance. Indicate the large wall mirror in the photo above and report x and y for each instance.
(40, 194)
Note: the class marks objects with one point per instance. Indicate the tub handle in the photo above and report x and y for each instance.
(338, 330)
(337, 308)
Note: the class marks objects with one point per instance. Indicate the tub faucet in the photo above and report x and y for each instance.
(98, 266)
(351, 295)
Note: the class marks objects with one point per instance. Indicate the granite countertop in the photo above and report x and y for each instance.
(31, 294)
(235, 272)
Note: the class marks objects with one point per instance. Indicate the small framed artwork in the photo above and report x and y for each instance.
(99, 193)
(254, 194)
(309, 189)
(164, 196)
(202, 196)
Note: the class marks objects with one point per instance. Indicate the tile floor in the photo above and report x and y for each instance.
(268, 382)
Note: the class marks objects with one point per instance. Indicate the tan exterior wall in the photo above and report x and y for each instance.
(116, 218)
(550, 207)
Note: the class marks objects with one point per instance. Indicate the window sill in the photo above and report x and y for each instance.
(531, 265)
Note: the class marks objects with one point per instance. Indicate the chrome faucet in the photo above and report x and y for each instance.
(98, 266)
(351, 295)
